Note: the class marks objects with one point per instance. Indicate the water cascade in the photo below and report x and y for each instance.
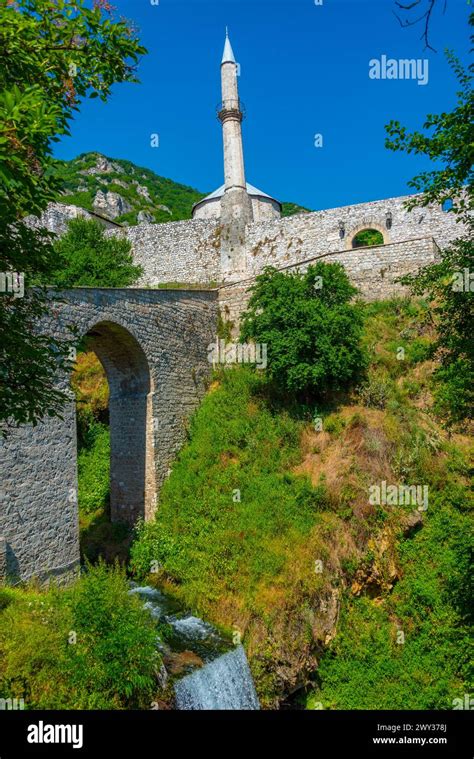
(220, 676)
(225, 683)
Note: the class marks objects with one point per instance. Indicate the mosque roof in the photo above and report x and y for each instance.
(252, 191)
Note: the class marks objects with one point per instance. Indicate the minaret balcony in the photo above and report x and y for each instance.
(230, 109)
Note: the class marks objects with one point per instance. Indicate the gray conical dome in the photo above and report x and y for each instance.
(228, 55)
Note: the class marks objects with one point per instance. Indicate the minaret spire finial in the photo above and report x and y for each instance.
(228, 56)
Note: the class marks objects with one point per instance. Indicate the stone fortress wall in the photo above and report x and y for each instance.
(301, 237)
(375, 276)
(189, 252)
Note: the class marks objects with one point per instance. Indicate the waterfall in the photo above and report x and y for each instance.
(224, 683)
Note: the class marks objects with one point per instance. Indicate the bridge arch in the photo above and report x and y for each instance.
(153, 345)
(132, 465)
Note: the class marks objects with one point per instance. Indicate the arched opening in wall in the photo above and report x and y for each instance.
(116, 475)
(367, 237)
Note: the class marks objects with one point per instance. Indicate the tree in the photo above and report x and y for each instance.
(86, 257)
(52, 54)
(448, 283)
(311, 329)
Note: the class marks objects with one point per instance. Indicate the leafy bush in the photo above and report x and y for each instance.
(115, 660)
(89, 647)
(334, 424)
(86, 257)
(310, 327)
(375, 392)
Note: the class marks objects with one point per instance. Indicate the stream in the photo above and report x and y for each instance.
(207, 670)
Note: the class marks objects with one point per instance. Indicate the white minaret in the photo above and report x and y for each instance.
(236, 205)
(231, 117)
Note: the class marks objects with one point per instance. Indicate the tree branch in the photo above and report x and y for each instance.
(426, 17)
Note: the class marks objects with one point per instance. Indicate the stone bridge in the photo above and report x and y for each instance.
(153, 347)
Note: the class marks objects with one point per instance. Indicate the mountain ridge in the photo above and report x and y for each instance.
(128, 194)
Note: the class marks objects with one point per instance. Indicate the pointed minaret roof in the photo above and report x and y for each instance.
(228, 56)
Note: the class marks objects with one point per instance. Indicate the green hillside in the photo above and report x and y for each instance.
(140, 189)
(289, 209)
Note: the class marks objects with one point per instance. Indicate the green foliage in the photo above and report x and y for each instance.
(449, 140)
(89, 383)
(51, 56)
(116, 659)
(333, 424)
(94, 468)
(109, 664)
(311, 329)
(231, 500)
(367, 237)
(368, 668)
(453, 313)
(86, 257)
(238, 559)
(375, 392)
(289, 209)
(29, 362)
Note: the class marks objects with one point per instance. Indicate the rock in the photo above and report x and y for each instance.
(182, 663)
(382, 573)
(143, 191)
(110, 204)
(145, 217)
(413, 521)
(162, 677)
(56, 217)
(103, 166)
(165, 208)
(323, 617)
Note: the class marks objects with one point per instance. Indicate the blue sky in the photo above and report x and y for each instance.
(304, 71)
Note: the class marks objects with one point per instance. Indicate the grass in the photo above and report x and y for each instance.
(90, 646)
(258, 498)
(185, 286)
